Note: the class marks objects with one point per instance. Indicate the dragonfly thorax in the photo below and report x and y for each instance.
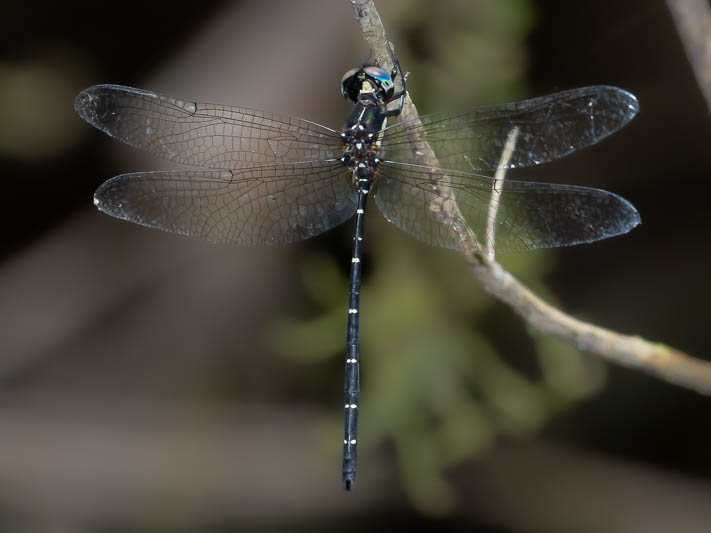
(361, 140)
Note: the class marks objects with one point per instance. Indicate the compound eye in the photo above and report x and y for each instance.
(382, 78)
(379, 74)
(347, 81)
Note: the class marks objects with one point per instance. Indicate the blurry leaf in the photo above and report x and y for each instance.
(422, 474)
(465, 431)
(568, 373)
(520, 405)
(308, 340)
(322, 279)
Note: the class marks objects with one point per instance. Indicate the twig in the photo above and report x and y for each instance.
(495, 200)
(660, 360)
(693, 22)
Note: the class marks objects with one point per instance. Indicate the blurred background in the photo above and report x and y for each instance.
(153, 383)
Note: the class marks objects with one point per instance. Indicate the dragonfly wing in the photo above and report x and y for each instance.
(548, 127)
(448, 209)
(205, 135)
(256, 206)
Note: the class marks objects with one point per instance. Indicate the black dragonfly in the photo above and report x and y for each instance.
(278, 179)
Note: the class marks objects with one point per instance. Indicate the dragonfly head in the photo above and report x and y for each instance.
(367, 80)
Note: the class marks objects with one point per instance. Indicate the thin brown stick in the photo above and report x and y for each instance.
(660, 360)
(496, 192)
(693, 22)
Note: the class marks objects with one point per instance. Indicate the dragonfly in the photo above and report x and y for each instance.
(257, 178)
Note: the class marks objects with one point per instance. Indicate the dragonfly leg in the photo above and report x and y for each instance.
(397, 69)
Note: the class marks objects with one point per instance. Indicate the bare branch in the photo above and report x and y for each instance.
(693, 22)
(496, 192)
(662, 361)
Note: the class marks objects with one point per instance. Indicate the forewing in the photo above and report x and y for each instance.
(205, 135)
(256, 206)
(549, 127)
(454, 210)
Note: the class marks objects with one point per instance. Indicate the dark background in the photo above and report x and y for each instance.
(154, 383)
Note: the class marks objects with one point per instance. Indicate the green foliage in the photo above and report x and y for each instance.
(480, 44)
